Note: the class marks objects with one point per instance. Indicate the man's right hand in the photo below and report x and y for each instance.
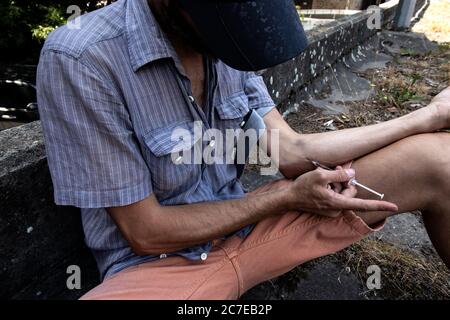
(313, 192)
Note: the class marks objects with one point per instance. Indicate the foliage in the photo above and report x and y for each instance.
(25, 24)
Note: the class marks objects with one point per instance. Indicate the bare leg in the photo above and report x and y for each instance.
(414, 173)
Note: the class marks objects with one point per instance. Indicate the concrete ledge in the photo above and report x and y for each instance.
(39, 240)
(328, 43)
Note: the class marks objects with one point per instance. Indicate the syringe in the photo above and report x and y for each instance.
(353, 182)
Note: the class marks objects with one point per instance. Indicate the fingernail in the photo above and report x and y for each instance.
(350, 173)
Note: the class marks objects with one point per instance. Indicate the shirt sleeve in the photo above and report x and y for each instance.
(258, 96)
(93, 154)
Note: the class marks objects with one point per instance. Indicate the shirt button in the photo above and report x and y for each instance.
(163, 256)
(191, 99)
(242, 124)
(178, 160)
(204, 256)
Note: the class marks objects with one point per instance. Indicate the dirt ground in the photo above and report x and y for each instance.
(408, 83)
(436, 21)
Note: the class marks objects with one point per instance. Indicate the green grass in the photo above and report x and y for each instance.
(399, 95)
(408, 52)
(444, 46)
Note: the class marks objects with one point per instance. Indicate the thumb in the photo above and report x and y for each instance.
(339, 175)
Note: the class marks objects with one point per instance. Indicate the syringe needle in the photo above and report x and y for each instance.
(352, 182)
(356, 183)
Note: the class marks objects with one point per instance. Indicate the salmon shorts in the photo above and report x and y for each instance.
(275, 246)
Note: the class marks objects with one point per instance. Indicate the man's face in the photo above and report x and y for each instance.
(176, 22)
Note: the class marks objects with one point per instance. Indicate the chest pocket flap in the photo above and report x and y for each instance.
(234, 107)
(168, 148)
(173, 139)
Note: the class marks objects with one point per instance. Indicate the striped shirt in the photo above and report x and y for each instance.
(110, 95)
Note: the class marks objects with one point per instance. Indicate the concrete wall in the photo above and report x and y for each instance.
(39, 240)
(327, 44)
(340, 4)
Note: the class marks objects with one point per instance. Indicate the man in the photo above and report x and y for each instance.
(112, 93)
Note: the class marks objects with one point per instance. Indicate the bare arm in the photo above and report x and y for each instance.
(338, 147)
(154, 229)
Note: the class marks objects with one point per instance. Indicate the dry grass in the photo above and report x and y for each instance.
(396, 87)
(435, 24)
(405, 275)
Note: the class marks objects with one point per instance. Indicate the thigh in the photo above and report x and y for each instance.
(280, 243)
(409, 172)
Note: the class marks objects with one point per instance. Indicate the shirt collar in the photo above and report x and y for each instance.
(146, 41)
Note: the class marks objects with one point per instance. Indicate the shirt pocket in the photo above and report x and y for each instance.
(231, 113)
(233, 110)
(173, 163)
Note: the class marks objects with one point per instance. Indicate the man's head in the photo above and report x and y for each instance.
(247, 35)
(175, 21)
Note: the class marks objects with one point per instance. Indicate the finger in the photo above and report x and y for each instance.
(330, 214)
(333, 214)
(336, 176)
(337, 187)
(342, 202)
(350, 192)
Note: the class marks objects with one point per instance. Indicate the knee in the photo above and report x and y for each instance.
(432, 153)
(432, 148)
(442, 160)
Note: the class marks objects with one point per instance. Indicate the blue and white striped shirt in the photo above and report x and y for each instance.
(109, 98)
